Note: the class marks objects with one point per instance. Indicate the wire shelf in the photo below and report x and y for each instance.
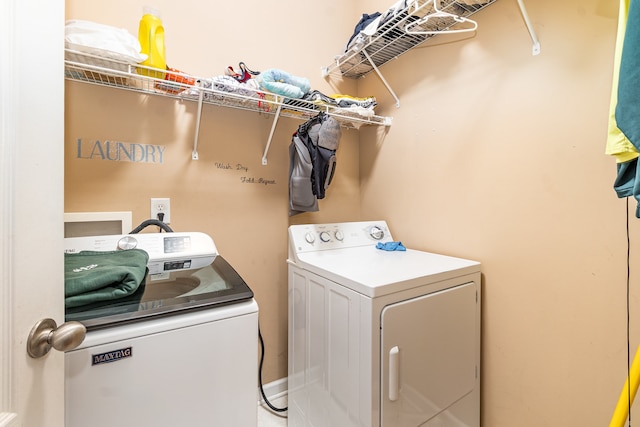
(391, 39)
(88, 68)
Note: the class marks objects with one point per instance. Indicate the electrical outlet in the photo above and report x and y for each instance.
(161, 206)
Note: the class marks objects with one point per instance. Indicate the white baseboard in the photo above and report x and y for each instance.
(7, 419)
(273, 390)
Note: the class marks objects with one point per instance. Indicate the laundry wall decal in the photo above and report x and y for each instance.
(117, 151)
(228, 167)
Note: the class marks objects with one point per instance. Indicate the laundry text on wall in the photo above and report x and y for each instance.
(118, 151)
(252, 180)
(227, 166)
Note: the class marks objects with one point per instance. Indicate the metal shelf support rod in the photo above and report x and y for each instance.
(194, 153)
(273, 129)
(527, 21)
(375, 68)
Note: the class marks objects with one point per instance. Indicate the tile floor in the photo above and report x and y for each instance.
(269, 418)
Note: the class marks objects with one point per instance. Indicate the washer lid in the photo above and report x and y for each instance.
(170, 293)
(374, 272)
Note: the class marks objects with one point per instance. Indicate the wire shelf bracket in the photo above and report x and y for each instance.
(273, 129)
(384, 81)
(194, 153)
(536, 43)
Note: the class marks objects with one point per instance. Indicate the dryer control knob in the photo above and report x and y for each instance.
(376, 232)
(310, 238)
(325, 237)
(339, 235)
(127, 242)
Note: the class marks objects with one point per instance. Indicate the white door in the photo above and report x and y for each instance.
(429, 359)
(31, 207)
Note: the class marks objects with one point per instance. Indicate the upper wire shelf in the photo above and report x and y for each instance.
(390, 40)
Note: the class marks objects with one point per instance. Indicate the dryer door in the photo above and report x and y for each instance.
(430, 351)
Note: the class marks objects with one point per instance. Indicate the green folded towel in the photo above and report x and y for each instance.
(91, 277)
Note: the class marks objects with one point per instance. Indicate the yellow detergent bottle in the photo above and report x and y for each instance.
(151, 37)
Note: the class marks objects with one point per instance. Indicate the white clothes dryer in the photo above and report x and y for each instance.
(380, 338)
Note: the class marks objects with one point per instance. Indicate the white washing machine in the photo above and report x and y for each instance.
(181, 351)
(380, 338)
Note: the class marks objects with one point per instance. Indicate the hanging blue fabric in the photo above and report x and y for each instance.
(628, 108)
(624, 123)
(391, 246)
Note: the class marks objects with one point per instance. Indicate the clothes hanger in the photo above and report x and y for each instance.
(441, 14)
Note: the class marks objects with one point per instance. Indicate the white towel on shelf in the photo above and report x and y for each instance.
(103, 40)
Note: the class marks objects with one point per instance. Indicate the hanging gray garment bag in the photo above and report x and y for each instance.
(321, 135)
(312, 156)
(301, 197)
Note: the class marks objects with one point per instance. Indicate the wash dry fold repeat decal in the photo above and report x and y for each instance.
(117, 151)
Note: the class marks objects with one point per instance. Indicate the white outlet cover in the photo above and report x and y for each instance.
(161, 204)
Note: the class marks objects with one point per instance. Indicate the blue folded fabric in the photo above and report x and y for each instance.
(391, 246)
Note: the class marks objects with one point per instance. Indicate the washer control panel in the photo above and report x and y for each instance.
(167, 251)
(317, 237)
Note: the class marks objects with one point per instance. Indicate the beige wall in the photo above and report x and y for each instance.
(497, 155)
(247, 221)
(494, 155)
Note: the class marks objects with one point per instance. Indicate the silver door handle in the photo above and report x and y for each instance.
(46, 334)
